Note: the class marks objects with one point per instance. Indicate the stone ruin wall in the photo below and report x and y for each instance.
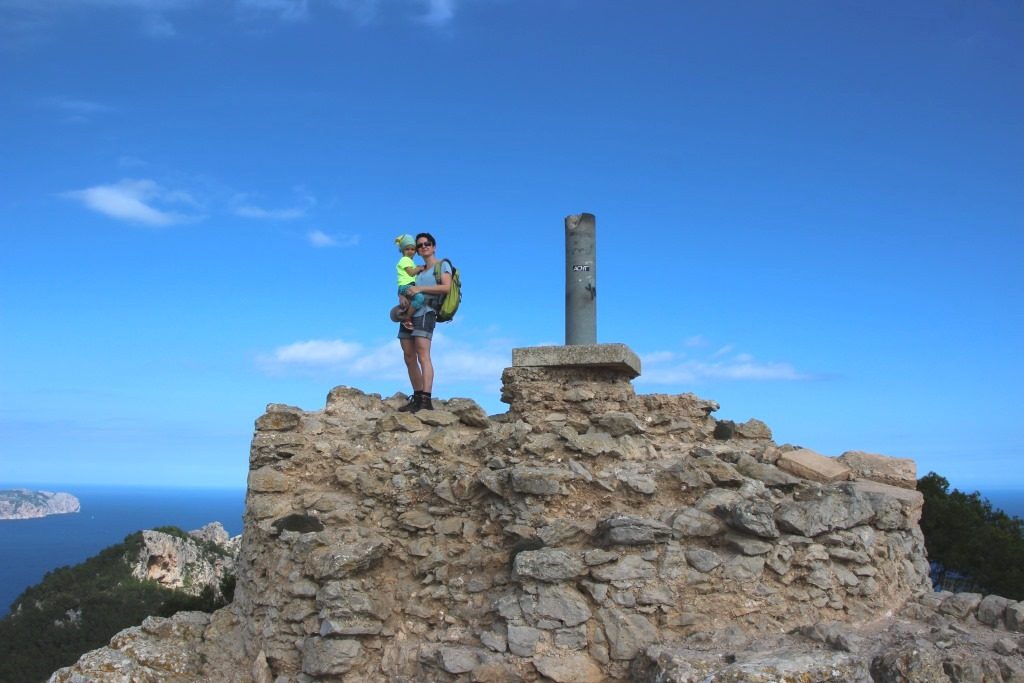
(558, 540)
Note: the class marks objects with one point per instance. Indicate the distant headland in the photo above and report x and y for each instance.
(26, 504)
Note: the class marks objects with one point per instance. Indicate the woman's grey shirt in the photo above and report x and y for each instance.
(426, 279)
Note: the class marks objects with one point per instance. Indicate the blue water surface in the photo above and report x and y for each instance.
(32, 547)
(1010, 502)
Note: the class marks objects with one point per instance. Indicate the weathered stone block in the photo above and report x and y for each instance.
(900, 472)
(615, 357)
(340, 561)
(522, 640)
(268, 480)
(538, 481)
(329, 656)
(562, 603)
(754, 429)
(1015, 616)
(569, 668)
(618, 423)
(755, 517)
(961, 605)
(629, 568)
(549, 564)
(627, 632)
(992, 610)
(279, 418)
(627, 530)
(694, 522)
(814, 466)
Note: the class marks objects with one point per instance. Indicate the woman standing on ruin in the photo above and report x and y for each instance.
(416, 341)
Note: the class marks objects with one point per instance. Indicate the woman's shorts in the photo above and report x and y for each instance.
(422, 326)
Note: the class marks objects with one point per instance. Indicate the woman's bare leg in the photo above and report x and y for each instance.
(409, 354)
(426, 367)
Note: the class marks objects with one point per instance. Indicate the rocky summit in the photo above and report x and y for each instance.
(588, 534)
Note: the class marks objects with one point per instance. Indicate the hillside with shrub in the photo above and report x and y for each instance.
(79, 608)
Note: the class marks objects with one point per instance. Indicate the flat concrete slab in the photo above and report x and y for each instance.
(612, 356)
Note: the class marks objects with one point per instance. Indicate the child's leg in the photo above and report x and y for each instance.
(403, 300)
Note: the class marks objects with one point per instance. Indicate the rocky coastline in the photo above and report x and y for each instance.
(27, 504)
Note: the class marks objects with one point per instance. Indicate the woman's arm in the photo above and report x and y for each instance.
(446, 284)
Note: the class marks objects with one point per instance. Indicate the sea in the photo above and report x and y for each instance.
(32, 547)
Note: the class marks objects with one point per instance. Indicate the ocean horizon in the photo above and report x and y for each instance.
(33, 547)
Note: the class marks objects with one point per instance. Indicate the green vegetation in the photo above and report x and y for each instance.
(971, 545)
(77, 609)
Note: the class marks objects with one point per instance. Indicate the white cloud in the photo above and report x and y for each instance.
(246, 209)
(725, 350)
(657, 357)
(27, 17)
(154, 17)
(286, 10)
(321, 239)
(666, 367)
(351, 360)
(135, 201)
(74, 106)
(251, 211)
(317, 352)
(362, 12)
(439, 12)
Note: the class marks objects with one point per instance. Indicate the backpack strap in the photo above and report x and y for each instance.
(438, 298)
(437, 270)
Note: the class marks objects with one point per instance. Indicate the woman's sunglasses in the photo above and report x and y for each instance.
(423, 244)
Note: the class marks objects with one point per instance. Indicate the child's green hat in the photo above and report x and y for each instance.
(404, 241)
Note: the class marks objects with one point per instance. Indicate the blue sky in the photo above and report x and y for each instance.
(810, 212)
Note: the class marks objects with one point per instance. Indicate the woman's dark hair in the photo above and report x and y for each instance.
(430, 238)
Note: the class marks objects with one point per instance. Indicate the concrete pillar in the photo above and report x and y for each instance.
(580, 279)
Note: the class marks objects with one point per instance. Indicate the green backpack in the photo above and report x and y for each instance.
(448, 304)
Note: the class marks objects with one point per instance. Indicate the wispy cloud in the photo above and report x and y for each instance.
(245, 208)
(74, 106)
(136, 201)
(667, 367)
(156, 18)
(321, 239)
(23, 17)
(363, 12)
(438, 12)
(285, 10)
(351, 360)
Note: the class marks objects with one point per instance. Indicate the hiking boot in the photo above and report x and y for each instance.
(425, 404)
(412, 406)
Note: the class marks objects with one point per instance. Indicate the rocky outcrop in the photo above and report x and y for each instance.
(189, 562)
(589, 534)
(26, 504)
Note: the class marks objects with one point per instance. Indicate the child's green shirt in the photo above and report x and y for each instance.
(403, 277)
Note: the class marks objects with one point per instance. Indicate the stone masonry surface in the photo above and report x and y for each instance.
(588, 534)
